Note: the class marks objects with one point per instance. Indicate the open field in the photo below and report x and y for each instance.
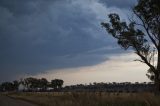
(88, 99)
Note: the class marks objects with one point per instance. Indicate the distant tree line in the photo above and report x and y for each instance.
(43, 85)
(111, 87)
(32, 84)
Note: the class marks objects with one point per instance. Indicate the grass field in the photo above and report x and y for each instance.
(89, 99)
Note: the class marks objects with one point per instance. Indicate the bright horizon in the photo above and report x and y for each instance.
(117, 69)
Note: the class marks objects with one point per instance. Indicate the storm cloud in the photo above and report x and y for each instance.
(123, 4)
(39, 35)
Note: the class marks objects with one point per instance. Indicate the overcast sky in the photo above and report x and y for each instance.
(64, 39)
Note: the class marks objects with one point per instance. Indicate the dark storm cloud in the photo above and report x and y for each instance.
(22, 7)
(126, 4)
(39, 35)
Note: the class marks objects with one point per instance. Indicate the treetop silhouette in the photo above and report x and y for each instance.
(141, 34)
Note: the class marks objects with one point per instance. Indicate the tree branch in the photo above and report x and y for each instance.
(145, 60)
(139, 60)
(147, 30)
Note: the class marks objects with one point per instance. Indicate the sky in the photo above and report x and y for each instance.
(64, 39)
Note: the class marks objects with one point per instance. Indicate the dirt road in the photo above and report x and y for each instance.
(6, 101)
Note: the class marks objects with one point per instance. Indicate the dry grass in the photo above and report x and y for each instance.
(89, 99)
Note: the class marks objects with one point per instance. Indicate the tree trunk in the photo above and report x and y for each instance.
(157, 74)
(157, 85)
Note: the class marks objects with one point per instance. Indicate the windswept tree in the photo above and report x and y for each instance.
(142, 34)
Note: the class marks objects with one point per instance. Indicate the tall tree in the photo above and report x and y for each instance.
(59, 83)
(141, 34)
(31, 83)
(54, 84)
(43, 83)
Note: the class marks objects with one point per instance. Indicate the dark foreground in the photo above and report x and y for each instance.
(7, 101)
(82, 99)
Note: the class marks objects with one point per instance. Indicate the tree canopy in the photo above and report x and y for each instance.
(142, 34)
